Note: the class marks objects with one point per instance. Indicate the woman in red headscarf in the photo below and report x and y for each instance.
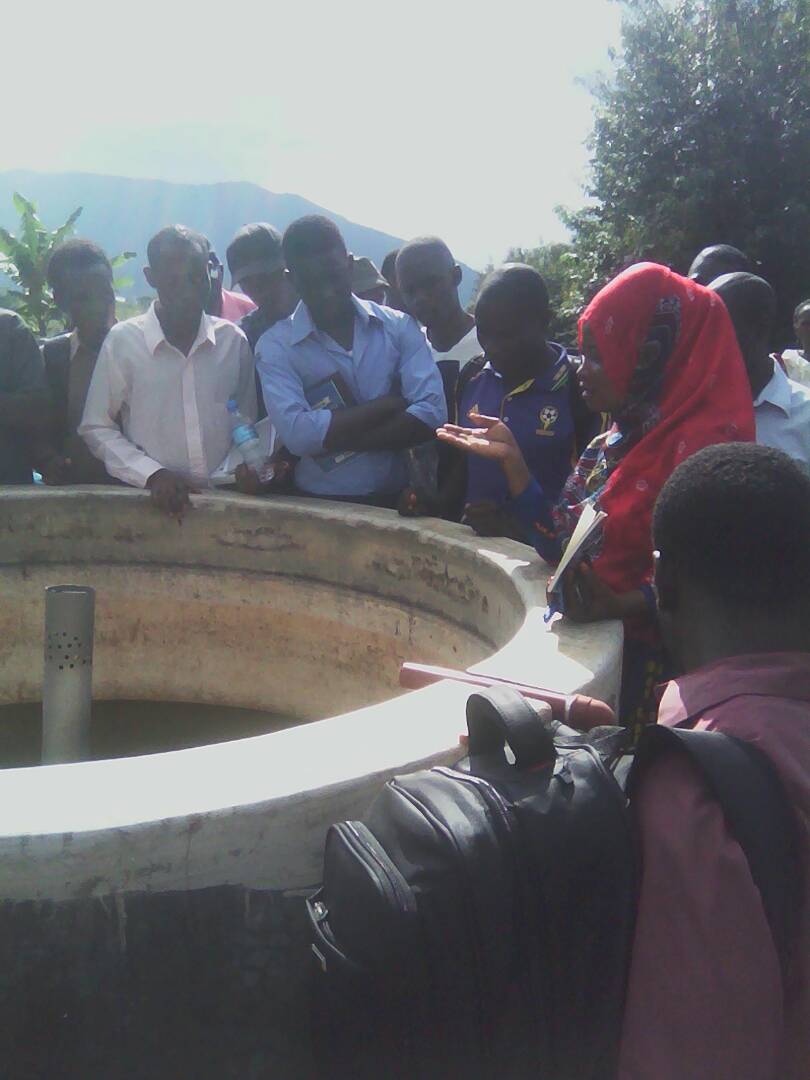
(661, 357)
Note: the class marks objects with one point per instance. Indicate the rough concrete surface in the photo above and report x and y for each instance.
(127, 884)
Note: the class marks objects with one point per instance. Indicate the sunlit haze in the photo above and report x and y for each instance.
(428, 117)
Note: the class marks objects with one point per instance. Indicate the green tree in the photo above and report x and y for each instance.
(701, 136)
(557, 264)
(24, 260)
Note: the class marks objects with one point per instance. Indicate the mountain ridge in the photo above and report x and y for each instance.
(215, 209)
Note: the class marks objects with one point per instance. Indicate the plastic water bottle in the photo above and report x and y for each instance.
(246, 440)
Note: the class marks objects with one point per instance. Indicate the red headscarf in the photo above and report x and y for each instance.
(695, 394)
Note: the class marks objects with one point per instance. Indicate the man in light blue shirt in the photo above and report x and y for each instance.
(348, 384)
(781, 406)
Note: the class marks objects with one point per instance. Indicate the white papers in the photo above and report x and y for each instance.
(589, 521)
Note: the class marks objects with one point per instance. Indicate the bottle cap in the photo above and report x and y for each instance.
(232, 406)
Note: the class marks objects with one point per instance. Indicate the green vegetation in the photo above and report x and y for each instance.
(557, 264)
(701, 136)
(24, 260)
(128, 309)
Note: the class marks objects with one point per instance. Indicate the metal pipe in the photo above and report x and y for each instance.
(67, 689)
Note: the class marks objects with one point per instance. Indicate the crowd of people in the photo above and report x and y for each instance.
(380, 388)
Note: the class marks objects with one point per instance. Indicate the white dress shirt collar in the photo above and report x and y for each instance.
(776, 391)
(154, 336)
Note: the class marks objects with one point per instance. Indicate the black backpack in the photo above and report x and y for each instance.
(479, 923)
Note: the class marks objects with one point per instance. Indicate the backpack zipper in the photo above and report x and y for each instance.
(394, 885)
(471, 921)
(511, 828)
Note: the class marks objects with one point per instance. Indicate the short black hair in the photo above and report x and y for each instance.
(726, 251)
(524, 287)
(750, 300)
(735, 519)
(724, 259)
(800, 308)
(310, 235)
(428, 243)
(389, 266)
(73, 255)
(254, 243)
(174, 236)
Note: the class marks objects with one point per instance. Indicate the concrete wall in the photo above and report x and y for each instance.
(253, 610)
(292, 605)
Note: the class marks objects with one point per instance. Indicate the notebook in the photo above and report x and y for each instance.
(331, 393)
(590, 520)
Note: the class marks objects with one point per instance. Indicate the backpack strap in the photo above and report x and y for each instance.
(756, 809)
(501, 715)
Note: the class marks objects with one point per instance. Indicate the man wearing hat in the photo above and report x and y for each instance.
(256, 263)
(367, 281)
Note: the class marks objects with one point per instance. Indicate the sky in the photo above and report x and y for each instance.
(465, 121)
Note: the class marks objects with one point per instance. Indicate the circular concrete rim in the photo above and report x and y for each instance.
(341, 760)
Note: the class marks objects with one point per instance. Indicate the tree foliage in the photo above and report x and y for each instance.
(556, 262)
(701, 136)
(24, 260)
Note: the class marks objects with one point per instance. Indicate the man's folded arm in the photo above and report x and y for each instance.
(357, 427)
(423, 394)
(307, 431)
(300, 427)
(389, 422)
(398, 432)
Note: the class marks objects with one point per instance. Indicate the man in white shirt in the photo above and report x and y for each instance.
(156, 411)
(796, 362)
(781, 406)
(428, 278)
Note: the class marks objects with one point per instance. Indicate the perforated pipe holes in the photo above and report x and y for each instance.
(68, 650)
(67, 647)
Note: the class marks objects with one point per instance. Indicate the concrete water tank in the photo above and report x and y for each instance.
(151, 921)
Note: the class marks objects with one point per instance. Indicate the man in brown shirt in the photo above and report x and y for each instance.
(707, 994)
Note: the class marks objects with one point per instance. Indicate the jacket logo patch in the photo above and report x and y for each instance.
(548, 418)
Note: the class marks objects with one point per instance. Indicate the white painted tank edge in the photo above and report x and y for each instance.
(254, 811)
(298, 762)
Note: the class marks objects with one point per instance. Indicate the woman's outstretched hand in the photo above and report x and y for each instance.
(490, 438)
